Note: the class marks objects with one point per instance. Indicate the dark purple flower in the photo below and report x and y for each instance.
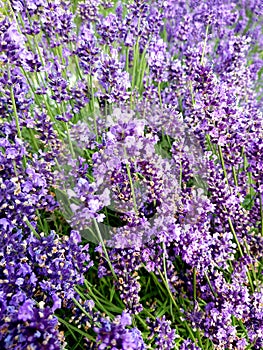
(26, 311)
(115, 334)
(162, 333)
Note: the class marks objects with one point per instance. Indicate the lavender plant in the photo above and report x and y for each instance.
(131, 177)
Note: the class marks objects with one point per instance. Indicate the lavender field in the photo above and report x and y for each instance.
(131, 174)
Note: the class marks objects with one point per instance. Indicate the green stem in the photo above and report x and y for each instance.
(135, 54)
(168, 290)
(175, 304)
(212, 149)
(210, 285)
(159, 94)
(39, 102)
(132, 188)
(164, 264)
(33, 139)
(84, 334)
(127, 60)
(104, 249)
(261, 213)
(69, 141)
(239, 248)
(79, 305)
(222, 163)
(93, 108)
(142, 67)
(15, 113)
(42, 227)
(194, 282)
(192, 92)
(95, 298)
(252, 268)
(234, 175)
(19, 133)
(32, 228)
(234, 234)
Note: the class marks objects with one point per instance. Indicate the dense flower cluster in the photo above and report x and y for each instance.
(115, 334)
(131, 174)
(37, 277)
(163, 335)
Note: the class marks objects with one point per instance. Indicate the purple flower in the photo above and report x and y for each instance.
(108, 29)
(13, 47)
(87, 49)
(115, 334)
(162, 333)
(114, 81)
(89, 10)
(26, 311)
(189, 345)
(158, 60)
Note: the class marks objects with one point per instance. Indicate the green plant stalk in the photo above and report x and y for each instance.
(229, 219)
(79, 305)
(164, 264)
(242, 154)
(33, 139)
(194, 283)
(19, 133)
(93, 296)
(38, 101)
(86, 335)
(210, 144)
(135, 55)
(250, 181)
(42, 227)
(168, 290)
(165, 31)
(104, 249)
(207, 344)
(252, 267)
(210, 285)
(15, 113)
(222, 163)
(142, 321)
(261, 213)
(127, 60)
(175, 304)
(142, 71)
(234, 234)
(147, 69)
(32, 229)
(41, 59)
(92, 104)
(142, 66)
(239, 248)
(132, 188)
(199, 339)
(165, 280)
(192, 92)
(234, 175)
(135, 61)
(101, 297)
(159, 94)
(157, 282)
(69, 141)
(76, 60)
